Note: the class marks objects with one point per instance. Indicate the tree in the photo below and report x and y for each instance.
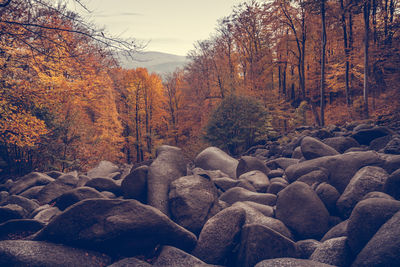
(237, 123)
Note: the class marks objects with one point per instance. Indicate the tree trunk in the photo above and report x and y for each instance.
(323, 41)
(346, 52)
(367, 11)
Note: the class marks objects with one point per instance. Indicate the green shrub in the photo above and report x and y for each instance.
(237, 124)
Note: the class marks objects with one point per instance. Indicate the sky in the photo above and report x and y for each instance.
(170, 26)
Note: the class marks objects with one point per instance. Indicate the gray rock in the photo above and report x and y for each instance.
(219, 236)
(118, 227)
(30, 180)
(329, 195)
(75, 195)
(380, 142)
(42, 254)
(282, 163)
(27, 204)
(130, 262)
(384, 247)
(54, 174)
(46, 215)
(304, 248)
(318, 176)
(104, 184)
(135, 184)
(191, 201)
(334, 252)
(365, 136)
(276, 187)
(55, 189)
(392, 185)
(247, 163)
(338, 230)
(393, 146)
(12, 212)
(366, 219)
(264, 209)
(225, 183)
(297, 153)
(290, 262)
(341, 167)
(3, 196)
(169, 165)
(103, 169)
(257, 179)
(366, 180)
(240, 194)
(171, 256)
(341, 143)
(32, 193)
(254, 249)
(377, 194)
(213, 158)
(391, 162)
(312, 148)
(276, 173)
(299, 207)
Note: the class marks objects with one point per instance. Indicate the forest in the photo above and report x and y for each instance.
(66, 104)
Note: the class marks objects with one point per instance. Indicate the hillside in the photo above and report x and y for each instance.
(158, 62)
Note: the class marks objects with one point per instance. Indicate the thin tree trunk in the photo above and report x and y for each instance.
(346, 52)
(323, 62)
(367, 10)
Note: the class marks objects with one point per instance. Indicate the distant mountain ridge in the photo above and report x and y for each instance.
(157, 62)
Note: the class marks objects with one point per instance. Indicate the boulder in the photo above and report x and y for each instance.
(263, 209)
(329, 195)
(282, 163)
(334, 252)
(341, 168)
(391, 162)
(276, 187)
(104, 184)
(117, 227)
(312, 148)
(219, 236)
(366, 219)
(383, 249)
(257, 179)
(103, 169)
(54, 174)
(376, 194)
(171, 256)
(192, 201)
(304, 248)
(169, 165)
(42, 254)
(213, 158)
(32, 193)
(12, 212)
(392, 185)
(130, 262)
(300, 208)
(240, 194)
(19, 229)
(135, 184)
(318, 176)
(55, 189)
(365, 136)
(393, 146)
(276, 173)
(379, 143)
(27, 204)
(30, 180)
(366, 180)
(338, 230)
(225, 183)
(291, 262)
(341, 143)
(75, 195)
(254, 248)
(247, 163)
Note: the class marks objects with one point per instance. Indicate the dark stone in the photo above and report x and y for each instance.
(55, 189)
(367, 179)
(19, 229)
(393, 146)
(117, 227)
(220, 236)
(338, 230)
(334, 252)
(225, 183)
(276, 187)
(312, 148)
(380, 143)
(254, 248)
(27, 204)
(257, 179)
(384, 247)
(276, 173)
(32, 193)
(365, 136)
(341, 143)
(366, 219)
(135, 184)
(169, 165)
(42, 254)
(290, 262)
(299, 207)
(318, 176)
(304, 248)
(130, 262)
(46, 215)
(171, 256)
(240, 194)
(11, 212)
(377, 194)
(247, 163)
(191, 201)
(213, 158)
(392, 185)
(329, 195)
(30, 180)
(104, 184)
(282, 163)
(75, 195)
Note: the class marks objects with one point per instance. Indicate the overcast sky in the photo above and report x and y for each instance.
(171, 26)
